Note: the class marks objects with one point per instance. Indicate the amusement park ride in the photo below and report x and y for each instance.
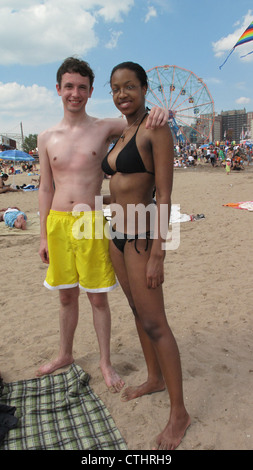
(186, 96)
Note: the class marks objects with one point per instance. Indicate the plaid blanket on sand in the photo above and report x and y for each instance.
(59, 412)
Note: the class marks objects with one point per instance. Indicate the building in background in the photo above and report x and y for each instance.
(234, 122)
(233, 125)
(249, 130)
(6, 143)
(217, 129)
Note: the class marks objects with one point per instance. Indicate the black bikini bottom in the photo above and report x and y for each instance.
(120, 239)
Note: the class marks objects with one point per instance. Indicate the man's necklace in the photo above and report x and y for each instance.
(122, 137)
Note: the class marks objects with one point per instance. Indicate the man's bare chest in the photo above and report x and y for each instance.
(75, 155)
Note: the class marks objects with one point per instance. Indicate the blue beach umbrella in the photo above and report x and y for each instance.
(16, 156)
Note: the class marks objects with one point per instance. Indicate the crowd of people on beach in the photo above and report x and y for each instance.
(8, 167)
(218, 155)
(13, 216)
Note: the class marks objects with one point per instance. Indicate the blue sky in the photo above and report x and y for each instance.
(36, 36)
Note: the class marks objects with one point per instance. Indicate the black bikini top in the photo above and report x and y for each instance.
(128, 159)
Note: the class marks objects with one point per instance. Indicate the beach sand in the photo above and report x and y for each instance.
(208, 298)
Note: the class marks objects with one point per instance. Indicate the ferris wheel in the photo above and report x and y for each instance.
(186, 96)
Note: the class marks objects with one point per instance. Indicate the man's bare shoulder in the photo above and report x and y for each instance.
(50, 131)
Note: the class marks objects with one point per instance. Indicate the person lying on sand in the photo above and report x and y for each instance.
(13, 217)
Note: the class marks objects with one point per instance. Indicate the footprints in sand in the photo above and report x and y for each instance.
(126, 368)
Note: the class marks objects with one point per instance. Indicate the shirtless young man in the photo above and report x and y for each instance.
(70, 174)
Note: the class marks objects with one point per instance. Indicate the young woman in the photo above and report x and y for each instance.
(141, 160)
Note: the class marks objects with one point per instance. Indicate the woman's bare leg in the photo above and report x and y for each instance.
(155, 381)
(151, 315)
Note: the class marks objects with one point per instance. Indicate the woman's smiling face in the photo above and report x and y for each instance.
(127, 91)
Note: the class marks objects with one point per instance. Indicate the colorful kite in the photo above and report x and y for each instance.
(245, 37)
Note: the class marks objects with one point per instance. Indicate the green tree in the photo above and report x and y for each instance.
(30, 143)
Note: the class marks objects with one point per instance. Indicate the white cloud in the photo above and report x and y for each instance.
(152, 13)
(243, 100)
(35, 106)
(164, 5)
(226, 44)
(17, 98)
(15, 4)
(113, 40)
(37, 32)
(111, 10)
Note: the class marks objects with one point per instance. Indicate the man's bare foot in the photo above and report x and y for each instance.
(146, 388)
(112, 379)
(173, 433)
(54, 365)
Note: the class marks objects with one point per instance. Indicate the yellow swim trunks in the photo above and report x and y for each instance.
(79, 252)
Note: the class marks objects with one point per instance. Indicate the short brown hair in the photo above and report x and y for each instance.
(75, 65)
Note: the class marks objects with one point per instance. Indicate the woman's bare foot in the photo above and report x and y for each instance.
(112, 379)
(54, 365)
(172, 435)
(130, 393)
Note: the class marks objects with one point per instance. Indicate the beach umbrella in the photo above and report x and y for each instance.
(16, 156)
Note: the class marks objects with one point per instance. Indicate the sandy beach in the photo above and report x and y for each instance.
(208, 296)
